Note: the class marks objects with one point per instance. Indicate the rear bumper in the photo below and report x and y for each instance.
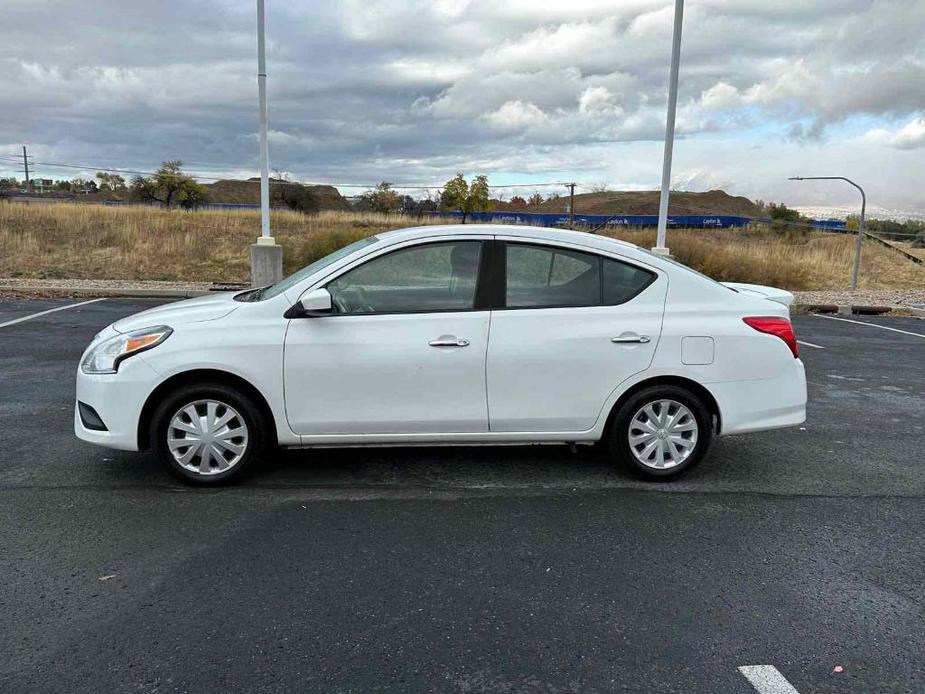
(117, 399)
(757, 405)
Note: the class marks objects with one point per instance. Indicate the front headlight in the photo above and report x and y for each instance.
(105, 357)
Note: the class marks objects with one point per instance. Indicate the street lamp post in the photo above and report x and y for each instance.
(266, 254)
(660, 246)
(857, 250)
(264, 147)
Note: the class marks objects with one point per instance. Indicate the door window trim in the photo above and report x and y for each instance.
(491, 282)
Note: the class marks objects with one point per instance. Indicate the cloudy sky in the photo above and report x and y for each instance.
(523, 90)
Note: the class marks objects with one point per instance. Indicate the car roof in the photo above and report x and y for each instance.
(516, 230)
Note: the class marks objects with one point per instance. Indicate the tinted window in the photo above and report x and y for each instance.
(432, 277)
(622, 282)
(547, 276)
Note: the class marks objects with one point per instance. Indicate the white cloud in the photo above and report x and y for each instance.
(516, 115)
(911, 135)
(414, 90)
(599, 101)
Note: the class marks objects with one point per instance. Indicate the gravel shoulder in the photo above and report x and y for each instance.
(864, 297)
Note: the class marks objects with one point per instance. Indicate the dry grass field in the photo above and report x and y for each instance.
(95, 242)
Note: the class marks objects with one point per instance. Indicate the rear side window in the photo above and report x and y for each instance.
(623, 281)
(546, 276)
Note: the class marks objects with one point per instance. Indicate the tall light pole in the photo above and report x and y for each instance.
(857, 250)
(266, 255)
(660, 246)
(264, 147)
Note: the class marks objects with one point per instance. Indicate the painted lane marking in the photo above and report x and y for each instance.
(871, 325)
(767, 679)
(810, 344)
(51, 310)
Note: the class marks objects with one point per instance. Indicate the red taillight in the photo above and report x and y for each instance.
(774, 325)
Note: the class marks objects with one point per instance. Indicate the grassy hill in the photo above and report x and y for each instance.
(69, 240)
(248, 193)
(646, 202)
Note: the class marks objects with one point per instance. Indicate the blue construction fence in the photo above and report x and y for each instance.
(696, 221)
(558, 219)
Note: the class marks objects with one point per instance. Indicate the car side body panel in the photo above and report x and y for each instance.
(247, 343)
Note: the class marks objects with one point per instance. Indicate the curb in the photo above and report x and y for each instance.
(152, 293)
(855, 309)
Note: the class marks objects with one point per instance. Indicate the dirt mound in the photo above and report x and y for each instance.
(248, 193)
(646, 202)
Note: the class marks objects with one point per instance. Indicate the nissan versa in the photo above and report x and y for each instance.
(450, 335)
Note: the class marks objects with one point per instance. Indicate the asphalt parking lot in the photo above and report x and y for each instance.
(526, 569)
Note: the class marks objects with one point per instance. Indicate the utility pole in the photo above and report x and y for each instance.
(266, 255)
(660, 246)
(571, 205)
(25, 163)
(857, 249)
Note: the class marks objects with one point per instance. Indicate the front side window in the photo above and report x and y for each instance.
(420, 279)
(546, 276)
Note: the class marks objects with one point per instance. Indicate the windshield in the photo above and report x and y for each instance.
(309, 270)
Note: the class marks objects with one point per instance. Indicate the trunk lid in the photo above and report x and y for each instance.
(780, 296)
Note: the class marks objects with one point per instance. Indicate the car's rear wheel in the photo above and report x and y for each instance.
(661, 431)
(207, 434)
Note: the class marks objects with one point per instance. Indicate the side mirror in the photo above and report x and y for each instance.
(316, 303)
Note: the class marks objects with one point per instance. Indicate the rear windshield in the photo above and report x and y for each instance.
(689, 269)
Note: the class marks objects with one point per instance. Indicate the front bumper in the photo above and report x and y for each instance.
(118, 400)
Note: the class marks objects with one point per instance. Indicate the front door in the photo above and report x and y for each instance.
(574, 325)
(403, 353)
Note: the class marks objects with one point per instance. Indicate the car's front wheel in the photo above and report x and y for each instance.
(207, 434)
(661, 431)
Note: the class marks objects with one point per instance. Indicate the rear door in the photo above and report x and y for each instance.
(574, 325)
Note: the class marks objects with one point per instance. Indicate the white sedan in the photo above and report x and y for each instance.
(450, 335)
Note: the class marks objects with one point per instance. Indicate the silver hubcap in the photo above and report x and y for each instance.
(207, 437)
(663, 434)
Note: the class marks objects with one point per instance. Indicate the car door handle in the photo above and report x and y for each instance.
(449, 341)
(630, 338)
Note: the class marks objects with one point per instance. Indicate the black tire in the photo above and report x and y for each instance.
(243, 405)
(618, 438)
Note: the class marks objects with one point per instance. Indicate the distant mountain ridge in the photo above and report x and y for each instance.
(646, 202)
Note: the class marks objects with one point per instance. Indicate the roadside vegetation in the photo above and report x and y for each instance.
(64, 240)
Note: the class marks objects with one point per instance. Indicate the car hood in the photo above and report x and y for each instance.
(198, 310)
(780, 296)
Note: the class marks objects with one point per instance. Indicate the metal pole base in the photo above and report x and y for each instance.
(266, 262)
(661, 250)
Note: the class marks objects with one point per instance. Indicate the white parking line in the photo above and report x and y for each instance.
(767, 680)
(871, 325)
(810, 344)
(51, 310)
